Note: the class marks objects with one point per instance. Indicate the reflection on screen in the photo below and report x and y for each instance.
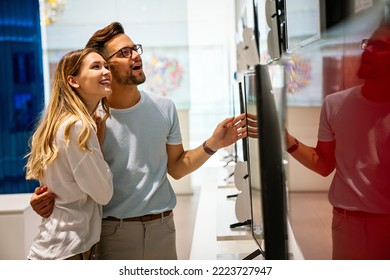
(265, 99)
(254, 162)
(303, 22)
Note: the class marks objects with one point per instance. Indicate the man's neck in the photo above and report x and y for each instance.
(124, 97)
(376, 90)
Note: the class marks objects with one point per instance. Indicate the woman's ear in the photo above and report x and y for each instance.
(73, 82)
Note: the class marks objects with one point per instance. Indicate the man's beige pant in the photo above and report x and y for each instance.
(152, 240)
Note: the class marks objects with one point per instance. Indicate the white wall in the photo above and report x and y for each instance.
(211, 29)
(152, 22)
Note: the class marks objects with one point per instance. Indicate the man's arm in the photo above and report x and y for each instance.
(42, 201)
(181, 163)
(320, 159)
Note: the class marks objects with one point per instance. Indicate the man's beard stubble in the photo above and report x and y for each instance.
(128, 78)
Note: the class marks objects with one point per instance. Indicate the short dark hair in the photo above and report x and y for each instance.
(102, 36)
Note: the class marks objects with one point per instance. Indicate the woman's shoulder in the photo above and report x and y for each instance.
(70, 129)
(75, 125)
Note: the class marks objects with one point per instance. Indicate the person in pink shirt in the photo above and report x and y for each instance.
(354, 140)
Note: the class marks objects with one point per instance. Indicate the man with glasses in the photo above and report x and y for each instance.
(354, 140)
(142, 145)
(128, 51)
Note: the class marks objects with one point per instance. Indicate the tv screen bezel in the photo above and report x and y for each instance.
(273, 191)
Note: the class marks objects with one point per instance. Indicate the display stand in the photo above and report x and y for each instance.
(241, 224)
(254, 254)
(242, 207)
(19, 225)
(213, 238)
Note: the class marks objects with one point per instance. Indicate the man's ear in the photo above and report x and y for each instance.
(73, 82)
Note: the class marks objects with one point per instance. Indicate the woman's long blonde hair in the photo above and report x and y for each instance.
(64, 103)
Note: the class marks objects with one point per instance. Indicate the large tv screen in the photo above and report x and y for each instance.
(303, 22)
(266, 168)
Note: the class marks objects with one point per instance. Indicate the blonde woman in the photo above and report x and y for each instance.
(66, 156)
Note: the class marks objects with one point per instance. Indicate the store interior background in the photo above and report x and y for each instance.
(190, 56)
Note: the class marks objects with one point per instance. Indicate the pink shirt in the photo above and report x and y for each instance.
(361, 129)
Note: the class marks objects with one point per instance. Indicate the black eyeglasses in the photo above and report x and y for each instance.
(128, 51)
(376, 45)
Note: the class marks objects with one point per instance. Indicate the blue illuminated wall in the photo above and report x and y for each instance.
(21, 89)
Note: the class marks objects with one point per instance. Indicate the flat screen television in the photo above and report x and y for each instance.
(243, 110)
(303, 22)
(270, 29)
(265, 158)
(238, 107)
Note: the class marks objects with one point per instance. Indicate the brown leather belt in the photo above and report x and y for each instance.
(359, 214)
(145, 218)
